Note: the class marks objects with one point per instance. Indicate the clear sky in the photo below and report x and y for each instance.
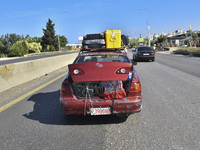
(95, 16)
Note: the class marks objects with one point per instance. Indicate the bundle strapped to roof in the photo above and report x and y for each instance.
(102, 50)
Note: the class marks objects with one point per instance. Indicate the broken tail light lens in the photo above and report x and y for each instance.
(65, 90)
(124, 70)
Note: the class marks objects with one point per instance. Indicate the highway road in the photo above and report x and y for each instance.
(169, 119)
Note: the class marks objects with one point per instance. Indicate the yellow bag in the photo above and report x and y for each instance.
(113, 38)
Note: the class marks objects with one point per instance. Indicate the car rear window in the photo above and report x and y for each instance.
(102, 58)
(145, 49)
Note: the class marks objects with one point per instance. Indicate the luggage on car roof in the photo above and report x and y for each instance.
(93, 41)
(125, 40)
(113, 38)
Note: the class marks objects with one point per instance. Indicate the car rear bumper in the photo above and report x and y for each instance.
(147, 57)
(119, 106)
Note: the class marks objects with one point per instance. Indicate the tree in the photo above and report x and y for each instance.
(7, 41)
(34, 39)
(161, 39)
(146, 41)
(5, 44)
(63, 41)
(48, 37)
(20, 48)
(2, 48)
(192, 39)
(195, 38)
(134, 43)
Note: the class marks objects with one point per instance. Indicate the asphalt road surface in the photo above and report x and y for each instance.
(169, 119)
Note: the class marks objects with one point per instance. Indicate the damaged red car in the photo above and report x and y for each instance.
(101, 82)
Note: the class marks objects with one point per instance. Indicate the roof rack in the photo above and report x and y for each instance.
(102, 50)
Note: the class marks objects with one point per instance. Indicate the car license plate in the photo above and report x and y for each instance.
(146, 54)
(100, 111)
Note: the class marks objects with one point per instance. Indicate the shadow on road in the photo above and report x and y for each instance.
(47, 110)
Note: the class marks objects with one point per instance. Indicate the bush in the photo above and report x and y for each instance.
(188, 51)
(3, 55)
(20, 48)
(52, 48)
(194, 49)
(34, 47)
(68, 48)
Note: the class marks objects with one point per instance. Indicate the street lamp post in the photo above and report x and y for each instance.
(58, 29)
(149, 25)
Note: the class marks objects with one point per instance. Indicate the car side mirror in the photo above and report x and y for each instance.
(134, 63)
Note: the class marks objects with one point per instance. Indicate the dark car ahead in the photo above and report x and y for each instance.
(101, 82)
(144, 53)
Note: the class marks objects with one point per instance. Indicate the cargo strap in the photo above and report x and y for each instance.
(113, 101)
(87, 96)
(113, 38)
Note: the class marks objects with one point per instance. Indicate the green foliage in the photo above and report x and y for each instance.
(51, 48)
(161, 39)
(192, 39)
(16, 45)
(134, 43)
(192, 49)
(20, 48)
(68, 48)
(3, 55)
(34, 39)
(34, 47)
(6, 42)
(13, 38)
(2, 48)
(195, 38)
(146, 41)
(63, 41)
(49, 36)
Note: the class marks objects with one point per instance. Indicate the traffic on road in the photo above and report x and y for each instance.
(169, 118)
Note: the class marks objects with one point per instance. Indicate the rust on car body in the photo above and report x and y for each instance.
(105, 85)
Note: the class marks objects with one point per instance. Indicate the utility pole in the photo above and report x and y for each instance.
(148, 25)
(58, 29)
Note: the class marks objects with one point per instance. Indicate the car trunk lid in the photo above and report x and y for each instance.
(99, 71)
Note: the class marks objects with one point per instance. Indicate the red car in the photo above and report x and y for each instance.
(101, 82)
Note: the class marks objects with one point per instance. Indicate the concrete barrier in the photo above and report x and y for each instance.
(12, 75)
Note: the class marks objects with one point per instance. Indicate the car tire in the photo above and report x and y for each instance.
(153, 59)
(122, 115)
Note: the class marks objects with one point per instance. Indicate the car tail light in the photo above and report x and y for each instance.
(139, 54)
(77, 72)
(124, 70)
(135, 86)
(65, 90)
(152, 54)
